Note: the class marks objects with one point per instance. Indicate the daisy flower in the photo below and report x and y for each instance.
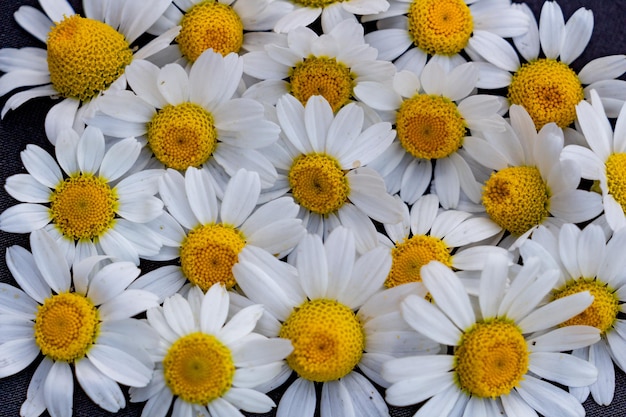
(79, 319)
(428, 234)
(84, 56)
(225, 26)
(434, 110)
(210, 237)
(321, 158)
(206, 364)
(604, 160)
(332, 12)
(86, 198)
(189, 122)
(331, 65)
(499, 364)
(331, 284)
(547, 86)
(586, 262)
(529, 185)
(416, 29)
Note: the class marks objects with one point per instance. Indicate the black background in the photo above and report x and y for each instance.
(26, 125)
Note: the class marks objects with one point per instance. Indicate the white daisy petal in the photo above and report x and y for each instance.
(22, 265)
(240, 197)
(551, 29)
(562, 368)
(528, 44)
(172, 192)
(604, 389)
(119, 365)
(495, 50)
(201, 195)
(50, 261)
(41, 166)
(400, 369)
(548, 399)
(90, 150)
(417, 389)
(443, 402)
(128, 304)
(111, 281)
(556, 312)
(492, 285)
(577, 34)
(603, 68)
(249, 400)
(16, 355)
(214, 309)
(299, 399)
(173, 84)
(253, 376)
(35, 404)
(428, 319)
(58, 389)
(312, 266)
(179, 315)
(366, 400)
(564, 339)
(33, 21)
(102, 390)
(119, 158)
(259, 351)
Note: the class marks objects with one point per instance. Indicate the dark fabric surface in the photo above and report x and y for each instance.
(26, 125)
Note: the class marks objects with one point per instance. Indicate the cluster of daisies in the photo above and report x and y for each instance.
(331, 199)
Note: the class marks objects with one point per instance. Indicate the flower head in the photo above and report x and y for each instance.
(78, 318)
(206, 364)
(88, 198)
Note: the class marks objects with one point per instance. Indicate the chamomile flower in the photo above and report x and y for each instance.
(210, 237)
(80, 321)
(225, 26)
(205, 364)
(189, 122)
(416, 29)
(84, 56)
(321, 161)
(604, 161)
(85, 198)
(529, 185)
(428, 234)
(499, 365)
(586, 262)
(548, 87)
(332, 12)
(338, 319)
(331, 65)
(434, 110)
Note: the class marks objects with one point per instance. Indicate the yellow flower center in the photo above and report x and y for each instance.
(198, 368)
(409, 256)
(210, 24)
(320, 76)
(318, 183)
(182, 136)
(85, 57)
(616, 177)
(516, 198)
(316, 3)
(549, 90)
(83, 207)
(66, 326)
(327, 338)
(441, 27)
(491, 359)
(430, 126)
(602, 313)
(208, 254)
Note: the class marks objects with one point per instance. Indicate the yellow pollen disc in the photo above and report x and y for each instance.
(66, 326)
(210, 24)
(516, 198)
(320, 76)
(491, 359)
(85, 57)
(602, 313)
(549, 90)
(83, 207)
(616, 177)
(316, 3)
(327, 338)
(409, 256)
(318, 183)
(198, 368)
(208, 254)
(430, 126)
(441, 27)
(182, 136)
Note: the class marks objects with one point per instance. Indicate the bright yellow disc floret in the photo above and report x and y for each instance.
(616, 177)
(320, 76)
(182, 136)
(327, 338)
(491, 359)
(198, 368)
(208, 254)
(549, 90)
(318, 183)
(85, 57)
(516, 198)
(83, 207)
(210, 24)
(440, 27)
(410, 255)
(602, 313)
(66, 326)
(430, 126)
